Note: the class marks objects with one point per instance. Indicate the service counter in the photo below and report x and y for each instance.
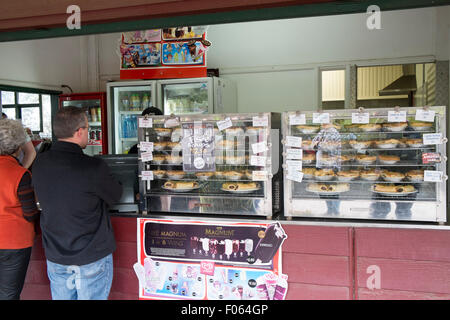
(324, 260)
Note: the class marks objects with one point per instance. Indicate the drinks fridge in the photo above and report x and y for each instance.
(127, 99)
(95, 104)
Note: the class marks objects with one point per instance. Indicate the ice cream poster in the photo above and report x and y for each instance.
(140, 55)
(197, 260)
(179, 53)
(140, 36)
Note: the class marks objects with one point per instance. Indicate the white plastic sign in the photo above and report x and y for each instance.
(295, 175)
(261, 121)
(259, 147)
(146, 156)
(224, 124)
(147, 175)
(259, 175)
(296, 119)
(259, 161)
(294, 154)
(146, 146)
(425, 115)
(432, 176)
(360, 117)
(396, 116)
(319, 117)
(145, 123)
(292, 141)
(432, 138)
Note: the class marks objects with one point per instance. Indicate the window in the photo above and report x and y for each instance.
(33, 109)
(333, 89)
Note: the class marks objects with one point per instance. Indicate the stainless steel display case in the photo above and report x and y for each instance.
(240, 176)
(350, 169)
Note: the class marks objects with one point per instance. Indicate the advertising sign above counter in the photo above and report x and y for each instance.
(204, 260)
(164, 53)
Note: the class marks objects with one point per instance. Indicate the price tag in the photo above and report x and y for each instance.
(259, 161)
(147, 175)
(295, 176)
(397, 116)
(295, 119)
(294, 154)
(261, 121)
(224, 124)
(425, 115)
(145, 123)
(432, 138)
(432, 176)
(323, 117)
(294, 165)
(360, 117)
(292, 141)
(259, 175)
(431, 157)
(146, 156)
(146, 146)
(259, 147)
(171, 122)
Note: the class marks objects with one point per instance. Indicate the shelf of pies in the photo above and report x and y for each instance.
(360, 160)
(221, 176)
(386, 127)
(364, 176)
(170, 160)
(210, 188)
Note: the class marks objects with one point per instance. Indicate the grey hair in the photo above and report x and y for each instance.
(12, 136)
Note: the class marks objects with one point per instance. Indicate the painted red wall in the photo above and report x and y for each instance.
(322, 263)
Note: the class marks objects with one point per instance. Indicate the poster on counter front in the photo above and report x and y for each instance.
(204, 260)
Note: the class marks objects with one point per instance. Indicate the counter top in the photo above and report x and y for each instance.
(294, 221)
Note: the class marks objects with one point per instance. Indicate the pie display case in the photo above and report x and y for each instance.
(382, 164)
(210, 164)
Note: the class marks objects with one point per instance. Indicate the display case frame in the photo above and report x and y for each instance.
(254, 166)
(303, 195)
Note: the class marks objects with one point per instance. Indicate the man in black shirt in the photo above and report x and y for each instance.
(73, 190)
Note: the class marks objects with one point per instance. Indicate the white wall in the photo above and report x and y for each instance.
(44, 63)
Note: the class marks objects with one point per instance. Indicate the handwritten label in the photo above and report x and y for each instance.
(146, 146)
(319, 117)
(294, 165)
(294, 154)
(396, 116)
(360, 117)
(295, 175)
(261, 121)
(432, 138)
(425, 115)
(224, 124)
(259, 147)
(432, 176)
(259, 175)
(146, 156)
(259, 161)
(147, 175)
(296, 119)
(145, 123)
(292, 141)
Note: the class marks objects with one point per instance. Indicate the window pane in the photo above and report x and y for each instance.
(28, 98)
(7, 97)
(31, 118)
(10, 112)
(46, 116)
(333, 85)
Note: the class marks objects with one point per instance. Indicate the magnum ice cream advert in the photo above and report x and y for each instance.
(201, 260)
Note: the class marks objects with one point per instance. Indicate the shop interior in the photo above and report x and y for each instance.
(302, 64)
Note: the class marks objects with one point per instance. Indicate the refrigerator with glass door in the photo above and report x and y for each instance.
(95, 105)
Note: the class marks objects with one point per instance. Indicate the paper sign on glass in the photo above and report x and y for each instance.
(432, 138)
(396, 116)
(147, 175)
(360, 117)
(292, 141)
(261, 121)
(294, 154)
(432, 176)
(295, 175)
(425, 115)
(295, 119)
(146, 146)
(170, 123)
(145, 123)
(258, 161)
(259, 147)
(259, 175)
(146, 156)
(224, 124)
(294, 165)
(323, 117)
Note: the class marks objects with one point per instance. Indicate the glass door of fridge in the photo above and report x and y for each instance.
(186, 98)
(128, 103)
(93, 111)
